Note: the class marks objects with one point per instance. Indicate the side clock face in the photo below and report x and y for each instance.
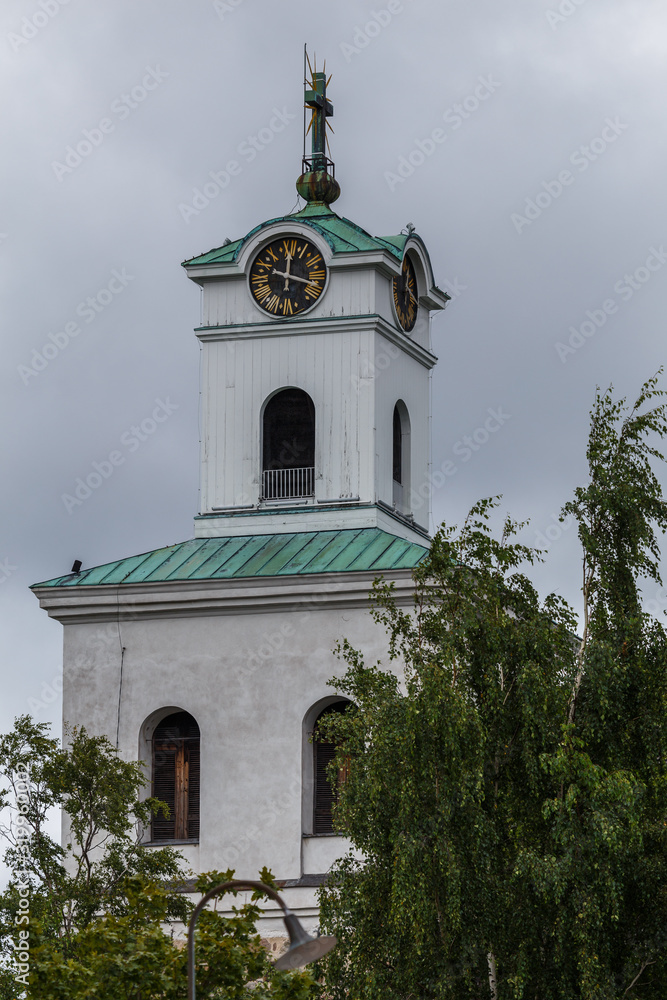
(287, 276)
(405, 296)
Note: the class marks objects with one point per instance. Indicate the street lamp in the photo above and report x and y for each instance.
(302, 950)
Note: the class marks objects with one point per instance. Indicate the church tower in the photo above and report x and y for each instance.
(209, 660)
(316, 361)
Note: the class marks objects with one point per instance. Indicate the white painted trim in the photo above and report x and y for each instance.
(305, 517)
(197, 598)
(382, 260)
(327, 324)
(407, 344)
(432, 297)
(223, 269)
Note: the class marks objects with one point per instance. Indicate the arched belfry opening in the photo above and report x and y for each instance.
(401, 457)
(288, 446)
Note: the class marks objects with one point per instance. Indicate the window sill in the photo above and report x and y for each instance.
(169, 843)
(278, 502)
(334, 834)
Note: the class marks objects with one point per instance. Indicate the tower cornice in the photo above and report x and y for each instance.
(308, 325)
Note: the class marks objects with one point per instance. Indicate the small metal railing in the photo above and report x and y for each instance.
(288, 484)
(318, 161)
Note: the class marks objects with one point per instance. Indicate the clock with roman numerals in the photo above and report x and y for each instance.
(405, 295)
(287, 276)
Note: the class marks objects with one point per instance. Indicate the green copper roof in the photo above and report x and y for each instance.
(342, 236)
(346, 551)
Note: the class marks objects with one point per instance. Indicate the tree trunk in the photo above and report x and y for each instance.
(493, 975)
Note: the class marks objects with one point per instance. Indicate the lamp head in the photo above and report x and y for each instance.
(303, 949)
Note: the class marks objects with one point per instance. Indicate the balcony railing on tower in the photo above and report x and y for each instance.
(288, 484)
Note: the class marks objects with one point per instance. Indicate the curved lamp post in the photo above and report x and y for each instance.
(302, 950)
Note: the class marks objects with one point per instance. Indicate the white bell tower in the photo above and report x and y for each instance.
(315, 406)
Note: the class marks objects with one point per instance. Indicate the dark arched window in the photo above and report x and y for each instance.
(398, 448)
(288, 446)
(176, 777)
(325, 791)
(401, 457)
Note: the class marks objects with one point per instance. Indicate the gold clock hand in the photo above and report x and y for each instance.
(287, 273)
(293, 277)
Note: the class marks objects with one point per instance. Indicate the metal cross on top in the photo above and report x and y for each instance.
(322, 108)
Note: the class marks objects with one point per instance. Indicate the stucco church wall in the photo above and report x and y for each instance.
(249, 680)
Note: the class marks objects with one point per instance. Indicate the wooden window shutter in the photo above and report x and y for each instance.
(193, 791)
(164, 773)
(325, 794)
(176, 755)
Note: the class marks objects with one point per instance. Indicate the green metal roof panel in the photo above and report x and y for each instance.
(184, 560)
(347, 554)
(403, 559)
(98, 573)
(320, 550)
(204, 562)
(271, 547)
(283, 560)
(342, 235)
(241, 552)
(287, 554)
(180, 562)
(218, 255)
(394, 243)
(384, 550)
(154, 566)
(373, 548)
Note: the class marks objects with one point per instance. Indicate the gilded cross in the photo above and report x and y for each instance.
(316, 99)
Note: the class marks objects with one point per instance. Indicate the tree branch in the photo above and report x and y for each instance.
(644, 966)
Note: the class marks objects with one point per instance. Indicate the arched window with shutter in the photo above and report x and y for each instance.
(325, 792)
(175, 771)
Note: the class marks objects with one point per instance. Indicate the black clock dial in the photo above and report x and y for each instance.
(287, 276)
(405, 296)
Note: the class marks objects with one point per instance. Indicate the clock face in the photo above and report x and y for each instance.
(287, 276)
(405, 296)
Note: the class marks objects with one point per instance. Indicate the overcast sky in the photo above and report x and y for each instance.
(541, 198)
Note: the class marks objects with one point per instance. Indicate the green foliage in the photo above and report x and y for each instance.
(620, 508)
(98, 914)
(509, 796)
(130, 956)
(99, 793)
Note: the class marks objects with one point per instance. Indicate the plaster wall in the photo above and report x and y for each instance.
(249, 680)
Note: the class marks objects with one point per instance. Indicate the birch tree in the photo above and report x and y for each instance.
(508, 781)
